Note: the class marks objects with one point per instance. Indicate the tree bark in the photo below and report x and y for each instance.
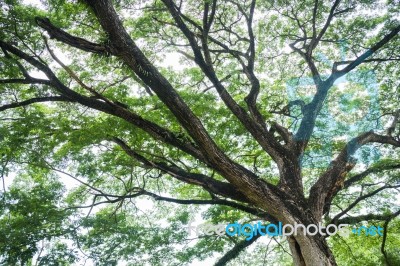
(310, 251)
(306, 249)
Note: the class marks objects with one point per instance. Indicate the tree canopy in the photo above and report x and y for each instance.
(123, 121)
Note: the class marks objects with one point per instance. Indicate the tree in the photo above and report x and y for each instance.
(274, 110)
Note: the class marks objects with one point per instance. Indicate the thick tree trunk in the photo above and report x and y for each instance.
(310, 251)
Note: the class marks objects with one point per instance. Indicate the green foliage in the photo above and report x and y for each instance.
(30, 212)
(366, 250)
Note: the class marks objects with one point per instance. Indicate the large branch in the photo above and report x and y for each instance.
(23, 81)
(361, 198)
(235, 251)
(368, 217)
(257, 129)
(256, 190)
(65, 37)
(251, 98)
(216, 201)
(124, 47)
(137, 192)
(377, 169)
(332, 181)
(348, 62)
(35, 100)
(259, 192)
(362, 58)
(312, 109)
(212, 185)
(307, 53)
(154, 130)
(385, 231)
(284, 158)
(316, 38)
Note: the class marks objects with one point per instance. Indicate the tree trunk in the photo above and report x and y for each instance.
(310, 251)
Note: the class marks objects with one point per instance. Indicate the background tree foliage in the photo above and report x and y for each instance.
(296, 99)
